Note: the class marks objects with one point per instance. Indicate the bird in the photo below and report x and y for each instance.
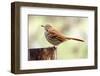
(55, 37)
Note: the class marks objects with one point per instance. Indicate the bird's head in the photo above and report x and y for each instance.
(46, 27)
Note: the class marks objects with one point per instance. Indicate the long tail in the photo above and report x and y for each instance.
(75, 39)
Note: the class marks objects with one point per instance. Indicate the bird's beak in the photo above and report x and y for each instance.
(42, 25)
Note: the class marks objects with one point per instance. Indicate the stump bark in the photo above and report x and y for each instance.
(48, 53)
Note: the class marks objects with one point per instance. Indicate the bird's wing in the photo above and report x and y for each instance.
(57, 34)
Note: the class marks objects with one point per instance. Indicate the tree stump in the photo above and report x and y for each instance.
(48, 53)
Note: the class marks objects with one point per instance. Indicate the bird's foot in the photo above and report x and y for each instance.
(55, 47)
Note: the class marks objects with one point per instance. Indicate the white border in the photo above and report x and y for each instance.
(25, 64)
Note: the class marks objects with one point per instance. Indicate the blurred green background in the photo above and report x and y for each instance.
(76, 27)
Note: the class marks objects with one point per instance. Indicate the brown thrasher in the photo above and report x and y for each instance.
(55, 37)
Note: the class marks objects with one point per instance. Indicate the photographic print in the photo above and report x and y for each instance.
(57, 37)
(52, 37)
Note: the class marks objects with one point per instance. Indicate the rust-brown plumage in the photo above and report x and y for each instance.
(55, 37)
